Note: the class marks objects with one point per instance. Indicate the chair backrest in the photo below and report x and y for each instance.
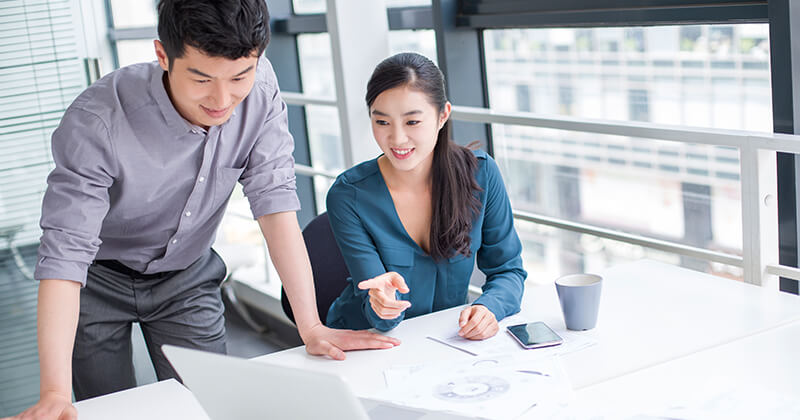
(327, 265)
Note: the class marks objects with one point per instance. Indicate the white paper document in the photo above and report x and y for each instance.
(503, 343)
(493, 387)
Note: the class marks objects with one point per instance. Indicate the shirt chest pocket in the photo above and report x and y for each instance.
(226, 180)
(400, 260)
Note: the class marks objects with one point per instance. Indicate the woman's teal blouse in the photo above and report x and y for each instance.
(373, 241)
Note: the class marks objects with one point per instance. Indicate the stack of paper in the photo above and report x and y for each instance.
(500, 387)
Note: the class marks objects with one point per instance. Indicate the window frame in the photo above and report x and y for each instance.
(479, 15)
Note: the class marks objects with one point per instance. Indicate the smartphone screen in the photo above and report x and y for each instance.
(534, 335)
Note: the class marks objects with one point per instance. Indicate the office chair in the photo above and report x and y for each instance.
(327, 265)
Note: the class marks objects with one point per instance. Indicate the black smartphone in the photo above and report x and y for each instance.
(534, 335)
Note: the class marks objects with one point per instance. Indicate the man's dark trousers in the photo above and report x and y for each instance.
(183, 308)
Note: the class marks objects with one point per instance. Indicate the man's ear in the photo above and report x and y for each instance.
(161, 54)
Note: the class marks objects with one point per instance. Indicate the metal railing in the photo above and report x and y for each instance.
(757, 161)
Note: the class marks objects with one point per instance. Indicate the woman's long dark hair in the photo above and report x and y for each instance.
(455, 204)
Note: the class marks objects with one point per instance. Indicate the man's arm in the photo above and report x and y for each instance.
(288, 253)
(58, 309)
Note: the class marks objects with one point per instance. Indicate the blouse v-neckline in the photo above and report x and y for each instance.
(397, 218)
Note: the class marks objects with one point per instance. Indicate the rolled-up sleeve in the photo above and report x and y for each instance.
(269, 178)
(499, 255)
(76, 200)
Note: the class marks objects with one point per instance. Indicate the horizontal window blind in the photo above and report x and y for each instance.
(41, 72)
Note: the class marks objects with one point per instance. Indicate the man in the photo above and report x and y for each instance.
(146, 159)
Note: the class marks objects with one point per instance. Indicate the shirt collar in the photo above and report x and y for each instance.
(177, 124)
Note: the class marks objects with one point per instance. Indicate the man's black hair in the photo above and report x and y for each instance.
(220, 28)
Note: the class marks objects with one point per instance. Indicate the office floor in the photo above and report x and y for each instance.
(19, 363)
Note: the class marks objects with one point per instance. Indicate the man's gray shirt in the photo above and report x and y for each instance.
(135, 182)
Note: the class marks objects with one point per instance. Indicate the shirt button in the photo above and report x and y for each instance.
(174, 241)
(188, 213)
(202, 179)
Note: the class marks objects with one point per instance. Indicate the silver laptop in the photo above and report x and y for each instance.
(230, 388)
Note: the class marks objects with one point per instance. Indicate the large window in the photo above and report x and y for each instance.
(700, 75)
(703, 76)
(324, 139)
(127, 15)
(41, 72)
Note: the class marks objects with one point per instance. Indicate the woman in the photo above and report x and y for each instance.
(411, 222)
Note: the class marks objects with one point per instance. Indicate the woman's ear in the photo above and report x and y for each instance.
(445, 114)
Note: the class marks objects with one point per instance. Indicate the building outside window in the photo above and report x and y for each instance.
(695, 76)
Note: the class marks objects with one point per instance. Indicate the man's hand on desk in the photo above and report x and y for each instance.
(323, 341)
(49, 407)
(477, 323)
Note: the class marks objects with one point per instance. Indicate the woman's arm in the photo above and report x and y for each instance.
(358, 249)
(499, 255)
(288, 253)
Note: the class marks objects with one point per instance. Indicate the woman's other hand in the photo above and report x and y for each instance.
(477, 323)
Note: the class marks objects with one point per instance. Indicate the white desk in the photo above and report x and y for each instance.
(755, 377)
(650, 314)
(166, 400)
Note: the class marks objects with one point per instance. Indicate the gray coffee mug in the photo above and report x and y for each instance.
(579, 295)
